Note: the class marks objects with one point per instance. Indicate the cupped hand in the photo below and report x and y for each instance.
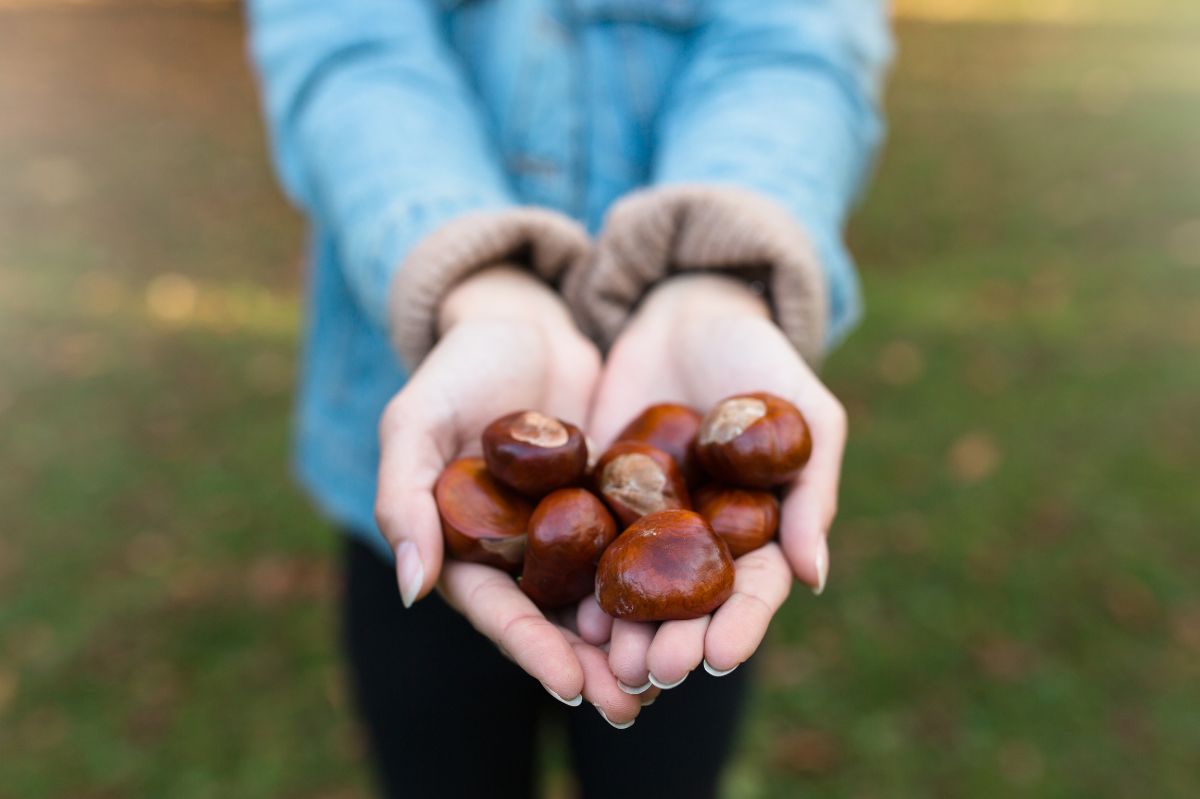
(696, 340)
(506, 344)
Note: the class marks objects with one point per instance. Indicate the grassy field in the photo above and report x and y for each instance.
(1014, 607)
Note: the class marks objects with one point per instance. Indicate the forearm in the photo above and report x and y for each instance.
(761, 149)
(782, 99)
(376, 133)
(761, 146)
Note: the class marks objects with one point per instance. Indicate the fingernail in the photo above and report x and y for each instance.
(650, 701)
(634, 691)
(575, 702)
(717, 672)
(624, 726)
(409, 572)
(822, 560)
(664, 686)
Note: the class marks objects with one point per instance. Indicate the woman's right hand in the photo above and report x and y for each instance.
(507, 343)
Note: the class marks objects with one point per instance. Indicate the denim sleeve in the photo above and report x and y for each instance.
(782, 97)
(376, 132)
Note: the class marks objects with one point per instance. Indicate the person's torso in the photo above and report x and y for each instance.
(570, 90)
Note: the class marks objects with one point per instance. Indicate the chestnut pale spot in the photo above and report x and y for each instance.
(730, 419)
(534, 453)
(636, 481)
(754, 441)
(672, 429)
(539, 430)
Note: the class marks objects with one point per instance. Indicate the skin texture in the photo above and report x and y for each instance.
(506, 341)
(672, 428)
(636, 479)
(754, 440)
(694, 340)
(533, 453)
(483, 521)
(745, 519)
(569, 530)
(668, 565)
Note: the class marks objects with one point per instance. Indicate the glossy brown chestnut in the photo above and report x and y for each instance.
(753, 441)
(482, 521)
(744, 518)
(569, 530)
(672, 428)
(534, 453)
(667, 565)
(636, 479)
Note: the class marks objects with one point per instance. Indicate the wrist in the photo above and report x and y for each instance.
(698, 297)
(501, 293)
(710, 230)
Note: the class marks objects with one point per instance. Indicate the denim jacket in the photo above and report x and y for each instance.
(389, 118)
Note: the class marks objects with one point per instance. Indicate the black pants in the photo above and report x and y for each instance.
(449, 717)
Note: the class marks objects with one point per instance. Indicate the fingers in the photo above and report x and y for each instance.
(649, 696)
(644, 659)
(593, 624)
(600, 688)
(564, 663)
(495, 606)
(677, 649)
(627, 654)
(810, 503)
(413, 450)
(761, 584)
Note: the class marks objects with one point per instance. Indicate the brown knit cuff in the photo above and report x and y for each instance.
(651, 234)
(544, 241)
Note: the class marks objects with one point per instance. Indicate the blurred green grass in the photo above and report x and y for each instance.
(1013, 608)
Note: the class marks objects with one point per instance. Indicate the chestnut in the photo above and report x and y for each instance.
(672, 428)
(636, 479)
(745, 519)
(569, 530)
(482, 521)
(667, 565)
(754, 440)
(534, 453)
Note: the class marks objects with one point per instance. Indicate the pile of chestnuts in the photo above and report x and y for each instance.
(689, 493)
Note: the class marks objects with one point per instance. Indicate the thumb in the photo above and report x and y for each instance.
(810, 504)
(409, 464)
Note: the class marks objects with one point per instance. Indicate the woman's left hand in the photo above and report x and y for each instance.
(695, 340)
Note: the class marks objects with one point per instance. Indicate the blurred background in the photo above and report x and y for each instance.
(1014, 607)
